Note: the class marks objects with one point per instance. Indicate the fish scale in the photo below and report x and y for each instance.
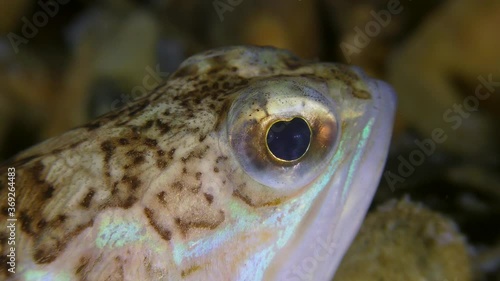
(180, 185)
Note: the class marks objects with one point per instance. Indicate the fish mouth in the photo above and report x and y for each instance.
(336, 214)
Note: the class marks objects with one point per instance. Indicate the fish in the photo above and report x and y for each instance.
(246, 163)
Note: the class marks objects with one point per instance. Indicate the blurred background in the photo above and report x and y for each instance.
(65, 62)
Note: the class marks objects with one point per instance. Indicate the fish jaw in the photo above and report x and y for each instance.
(337, 213)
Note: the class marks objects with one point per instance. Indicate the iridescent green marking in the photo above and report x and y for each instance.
(115, 234)
(353, 167)
(41, 275)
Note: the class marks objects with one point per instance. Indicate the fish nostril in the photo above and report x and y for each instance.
(289, 140)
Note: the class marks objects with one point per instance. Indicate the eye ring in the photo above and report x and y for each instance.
(266, 103)
(296, 141)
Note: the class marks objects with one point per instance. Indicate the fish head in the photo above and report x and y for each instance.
(248, 163)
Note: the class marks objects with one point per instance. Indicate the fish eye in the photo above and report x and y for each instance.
(288, 140)
(283, 132)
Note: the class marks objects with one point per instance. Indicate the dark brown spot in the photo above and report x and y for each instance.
(123, 141)
(198, 176)
(221, 114)
(189, 271)
(177, 185)
(184, 226)
(59, 220)
(26, 222)
(171, 153)
(160, 152)
(108, 148)
(41, 224)
(216, 170)
(248, 201)
(42, 256)
(243, 197)
(133, 182)
(147, 125)
(209, 197)
(114, 190)
(162, 197)
(49, 192)
(221, 159)
(139, 160)
(81, 265)
(161, 164)
(361, 94)
(164, 233)
(150, 142)
(163, 127)
(129, 202)
(198, 153)
(37, 171)
(195, 189)
(87, 199)
(134, 153)
(198, 99)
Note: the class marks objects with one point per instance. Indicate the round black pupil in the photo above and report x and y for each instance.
(289, 140)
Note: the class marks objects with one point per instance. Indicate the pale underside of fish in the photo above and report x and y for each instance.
(197, 181)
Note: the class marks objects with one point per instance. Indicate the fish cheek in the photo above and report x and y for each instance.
(253, 193)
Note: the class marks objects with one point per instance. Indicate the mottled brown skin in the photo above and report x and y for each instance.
(65, 182)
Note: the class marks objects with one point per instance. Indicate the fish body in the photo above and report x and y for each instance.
(248, 163)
